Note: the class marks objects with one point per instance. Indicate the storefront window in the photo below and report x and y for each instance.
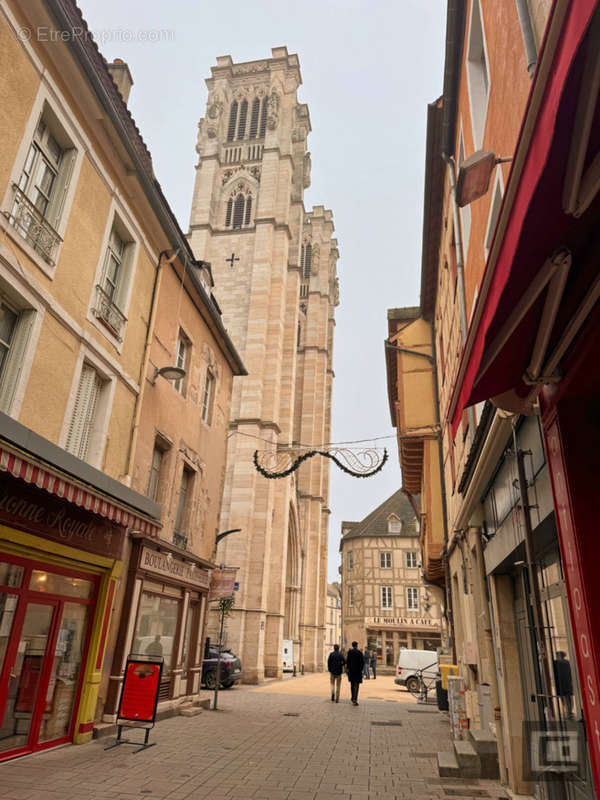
(8, 607)
(188, 634)
(11, 574)
(157, 627)
(53, 583)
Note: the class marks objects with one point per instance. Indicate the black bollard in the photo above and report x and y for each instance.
(303, 669)
(294, 674)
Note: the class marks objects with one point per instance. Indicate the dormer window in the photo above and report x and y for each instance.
(394, 525)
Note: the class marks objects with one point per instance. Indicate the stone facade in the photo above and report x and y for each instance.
(274, 265)
(386, 603)
(334, 616)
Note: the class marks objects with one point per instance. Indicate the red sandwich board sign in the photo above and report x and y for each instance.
(139, 697)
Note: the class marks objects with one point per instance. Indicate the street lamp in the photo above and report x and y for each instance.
(474, 176)
(168, 373)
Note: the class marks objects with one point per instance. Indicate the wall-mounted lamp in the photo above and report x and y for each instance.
(474, 176)
(168, 373)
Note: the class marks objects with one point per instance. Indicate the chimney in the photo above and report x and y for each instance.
(122, 77)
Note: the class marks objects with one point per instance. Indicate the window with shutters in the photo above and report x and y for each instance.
(40, 191)
(182, 360)
(385, 560)
(412, 598)
(15, 329)
(306, 260)
(238, 211)
(386, 597)
(180, 537)
(208, 397)
(232, 121)
(112, 290)
(83, 431)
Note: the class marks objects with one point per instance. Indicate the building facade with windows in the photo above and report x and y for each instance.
(89, 251)
(515, 572)
(386, 603)
(333, 620)
(274, 264)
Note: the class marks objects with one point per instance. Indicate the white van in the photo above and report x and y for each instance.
(410, 661)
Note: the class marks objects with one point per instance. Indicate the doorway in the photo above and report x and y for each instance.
(44, 632)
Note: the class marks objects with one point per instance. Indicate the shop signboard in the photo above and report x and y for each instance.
(222, 583)
(139, 697)
(406, 623)
(168, 566)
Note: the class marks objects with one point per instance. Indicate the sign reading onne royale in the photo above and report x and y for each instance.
(171, 567)
(404, 622)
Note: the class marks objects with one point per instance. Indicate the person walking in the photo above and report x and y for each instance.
(354, 667)
(335, 665)
(366, 660)
(373, 661)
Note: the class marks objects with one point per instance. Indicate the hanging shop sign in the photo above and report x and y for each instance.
(139, 697)
(42, 514)
(222, 583)
(168, 566)
(404, 622)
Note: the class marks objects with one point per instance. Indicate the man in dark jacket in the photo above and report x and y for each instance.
(335, 665)
(354, 667)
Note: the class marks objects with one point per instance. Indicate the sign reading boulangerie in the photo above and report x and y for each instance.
(222, 582)
(167, 566)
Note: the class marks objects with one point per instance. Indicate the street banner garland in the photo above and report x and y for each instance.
(359, 464)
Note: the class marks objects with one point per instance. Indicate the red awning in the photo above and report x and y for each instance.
(54, 482)
(495, 357)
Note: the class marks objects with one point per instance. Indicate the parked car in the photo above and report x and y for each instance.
(413, 663)
(231, 669)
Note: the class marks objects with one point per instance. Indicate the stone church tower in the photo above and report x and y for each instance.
(274, 266)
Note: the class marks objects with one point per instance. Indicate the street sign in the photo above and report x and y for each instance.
(222, 582)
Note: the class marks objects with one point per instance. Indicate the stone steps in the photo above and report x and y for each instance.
(475, 757)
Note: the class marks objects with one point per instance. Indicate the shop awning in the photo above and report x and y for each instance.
(540, 281)
(27, 468)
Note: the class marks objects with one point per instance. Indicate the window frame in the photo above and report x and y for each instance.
(386, 597)
(479, 79)
(350, 560)
(408, 593)
(208, 396)
(351, 596)
(385, 556)
(393, 520)
(414, 556)
(180, 385)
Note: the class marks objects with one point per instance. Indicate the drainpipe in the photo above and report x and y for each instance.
(143, 368)
(460, 269)
(528, 37)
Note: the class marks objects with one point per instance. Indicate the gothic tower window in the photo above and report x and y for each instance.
(232, 120)
(306, 260)
(242, 121)
(263, 117)
(254, 118)
(228, 214)
(248, 210)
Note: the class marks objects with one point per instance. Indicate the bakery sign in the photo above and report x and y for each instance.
(404, 622)
(167, 566)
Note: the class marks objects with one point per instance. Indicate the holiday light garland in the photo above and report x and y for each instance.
(310, 453)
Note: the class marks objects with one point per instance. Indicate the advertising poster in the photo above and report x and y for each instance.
(140, 690)
(222, 582)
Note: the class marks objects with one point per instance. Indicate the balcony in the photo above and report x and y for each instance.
(33, 226)
(108, 313)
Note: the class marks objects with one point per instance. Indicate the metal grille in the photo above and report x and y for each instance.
(33, 226)
(109, 313)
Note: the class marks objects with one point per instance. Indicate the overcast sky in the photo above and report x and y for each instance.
(369, 69)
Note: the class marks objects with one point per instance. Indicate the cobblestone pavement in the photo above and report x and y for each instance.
(262, 744)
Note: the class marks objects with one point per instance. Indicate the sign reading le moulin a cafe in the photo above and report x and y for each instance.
(405, 622)
(167, 566)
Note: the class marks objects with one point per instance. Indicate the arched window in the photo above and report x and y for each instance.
(238, 211)
(229, 210)
(254, 118)
(263, 117)
(232, 121)
(248, 210)
(242, 122)
(306, 260)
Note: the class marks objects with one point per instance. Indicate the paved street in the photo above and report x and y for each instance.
(282, 741)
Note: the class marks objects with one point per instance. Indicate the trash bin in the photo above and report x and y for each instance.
(442, 695)
(445, 670)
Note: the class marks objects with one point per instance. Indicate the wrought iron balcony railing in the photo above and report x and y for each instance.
(179, 540)
(109, 313)
(33, 226)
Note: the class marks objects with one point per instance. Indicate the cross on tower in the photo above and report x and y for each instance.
(232, 259)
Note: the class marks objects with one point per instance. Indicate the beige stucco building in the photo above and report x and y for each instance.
(386, 603)
(274, 265)
(98, 284)
(333, 621)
